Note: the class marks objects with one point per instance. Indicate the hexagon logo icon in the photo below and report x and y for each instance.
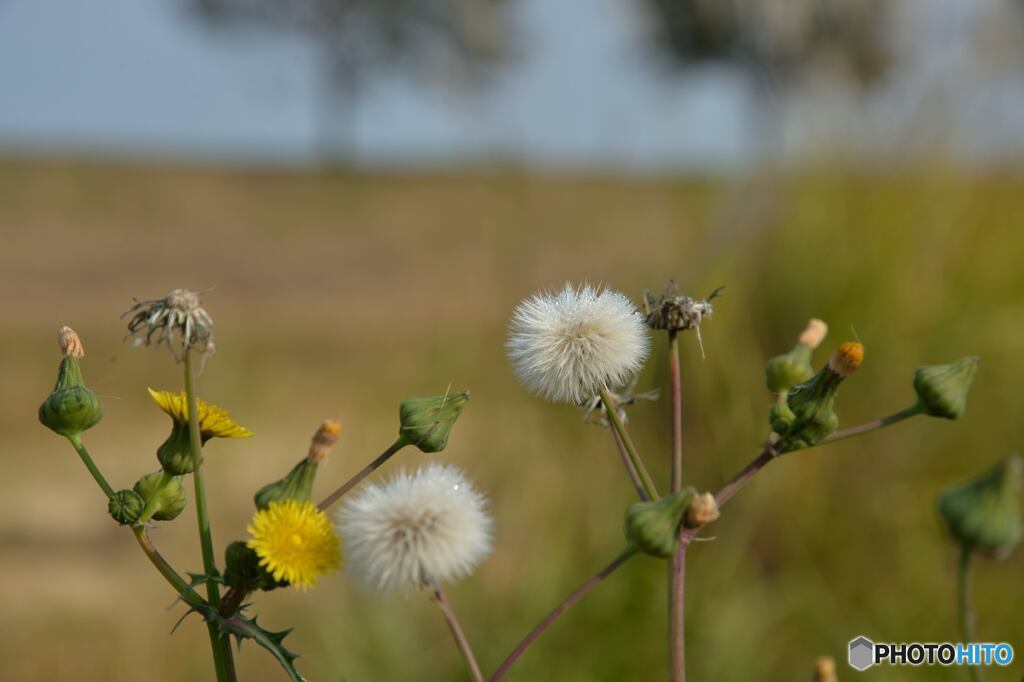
(862, 653)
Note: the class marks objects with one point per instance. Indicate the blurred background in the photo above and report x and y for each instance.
(364, 190)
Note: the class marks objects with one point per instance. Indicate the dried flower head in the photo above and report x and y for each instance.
(814, 334)
(674, 312)
(569, 346)
(416, 530)
(178, 319)
(295, 542)
(703, 510)
(70, 344)
(323, 439)
(825, 669)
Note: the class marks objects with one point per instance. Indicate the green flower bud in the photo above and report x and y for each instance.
(942, 389)
(125, 506)
(426, 422)
(175, 453)
(242, 569)
(298, 483)
(71, 408)
(780, 416)
(813, 403)
(985, 513)
(653, 527)
(163, 494)
(783, 372)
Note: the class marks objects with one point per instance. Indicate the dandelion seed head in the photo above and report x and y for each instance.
(415, 530)
(568, 346)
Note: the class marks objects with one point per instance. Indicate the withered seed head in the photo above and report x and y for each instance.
(674, 312)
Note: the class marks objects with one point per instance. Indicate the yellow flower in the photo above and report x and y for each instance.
(213, 421)
(295, 542)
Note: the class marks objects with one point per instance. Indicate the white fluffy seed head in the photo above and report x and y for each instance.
(415, 530)
(568, 346)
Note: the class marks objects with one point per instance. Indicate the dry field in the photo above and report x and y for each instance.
(339, 294)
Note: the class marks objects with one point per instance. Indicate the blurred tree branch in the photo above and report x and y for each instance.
(433, 41)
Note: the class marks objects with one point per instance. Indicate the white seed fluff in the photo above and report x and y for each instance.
(417, 530)
(568, 346)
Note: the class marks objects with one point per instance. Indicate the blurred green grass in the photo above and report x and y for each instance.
(338, 294)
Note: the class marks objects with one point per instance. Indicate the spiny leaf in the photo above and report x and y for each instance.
(247, 628)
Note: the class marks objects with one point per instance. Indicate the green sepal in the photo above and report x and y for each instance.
(785, 371)
(812, 405)
(71, 408)
(296, 485)
(427, 422)
(942, 389)
(163, 494)
(175, 453)
(985, 513)
(242, 570)
(653, 527)
(125, 507)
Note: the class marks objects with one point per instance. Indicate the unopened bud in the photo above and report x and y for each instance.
(812, 402)
(427, 422)
(163, 494)
(702, 511)
(125, 507)
(942, 389)
(298, 483)
(71, 408)
(653, 527)
(985, 513)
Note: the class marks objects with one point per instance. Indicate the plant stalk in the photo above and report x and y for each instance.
(363, 473)
(677, 565)
(630, 469)
(457, 633)
(97, 475)
(221, 645)
(638, 464)
(873, 425)
(188, 595)
(568, 603)
(965, 608)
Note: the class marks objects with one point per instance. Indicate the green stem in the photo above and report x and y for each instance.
(363, 473)
(166, 570)
(220, 644)
(154, 498)
(460, 637)
(613, 417)
(963, 584)
(874, 425)
(566, 604)
(76, 442)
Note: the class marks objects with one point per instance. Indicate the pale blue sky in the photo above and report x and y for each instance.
(142, 79)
